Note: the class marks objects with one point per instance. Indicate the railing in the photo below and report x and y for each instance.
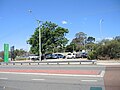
(50, 62)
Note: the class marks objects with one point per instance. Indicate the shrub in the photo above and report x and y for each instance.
(91, 55)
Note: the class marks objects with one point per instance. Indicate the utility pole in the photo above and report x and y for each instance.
(101, 20)
(39, 39)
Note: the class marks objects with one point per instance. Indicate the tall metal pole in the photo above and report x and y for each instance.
(38, 21)
(39, 40)
(101, 20)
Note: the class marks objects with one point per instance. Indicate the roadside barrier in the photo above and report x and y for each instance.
(51, 62)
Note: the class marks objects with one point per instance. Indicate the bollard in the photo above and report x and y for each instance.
(13, 63)
(29, 63)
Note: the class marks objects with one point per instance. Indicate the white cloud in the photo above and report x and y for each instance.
(64, 22)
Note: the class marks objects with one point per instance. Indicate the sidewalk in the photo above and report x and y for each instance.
(108, 62)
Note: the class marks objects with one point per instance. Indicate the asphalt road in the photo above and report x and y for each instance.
(9, 81)
(110, 81)
(37, 82)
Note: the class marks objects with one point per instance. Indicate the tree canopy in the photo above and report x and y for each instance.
(52, 37)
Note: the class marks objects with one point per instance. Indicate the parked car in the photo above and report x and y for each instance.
(71, 55)
(54, 56)
(50, 56)
(81, 55)
(34, 57)
(59, 56)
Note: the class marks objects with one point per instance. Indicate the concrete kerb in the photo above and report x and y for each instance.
(108, 62)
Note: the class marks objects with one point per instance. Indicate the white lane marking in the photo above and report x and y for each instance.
(88, 80)
(3, 78)
(102, 73)
(48, 74)
(38, 79)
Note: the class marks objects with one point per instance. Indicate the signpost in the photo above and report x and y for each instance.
(6, 52)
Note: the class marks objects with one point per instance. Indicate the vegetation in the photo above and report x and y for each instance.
(52, 38)
(108, 50)
(20, 52)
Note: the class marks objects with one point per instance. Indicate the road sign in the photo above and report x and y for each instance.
(95, 88)
(6, 52)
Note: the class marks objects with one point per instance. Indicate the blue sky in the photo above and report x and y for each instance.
(17, 24)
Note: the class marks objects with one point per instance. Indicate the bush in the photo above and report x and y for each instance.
(1, 60)
(21, 58)
(91, 55)
(103, 57)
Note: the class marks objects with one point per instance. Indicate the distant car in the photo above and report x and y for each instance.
(81, 55)
(50, 56)
(59, 56)
(71, 55)
(34, 57)
(54, 56)
(84, 55)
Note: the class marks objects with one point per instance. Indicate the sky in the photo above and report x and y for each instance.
(96, 18)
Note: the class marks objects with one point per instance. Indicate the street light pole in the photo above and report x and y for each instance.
(101, 20)
(39, 40)
(38, 21)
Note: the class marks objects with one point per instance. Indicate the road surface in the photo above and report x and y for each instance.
(112, 78)
(59, 77)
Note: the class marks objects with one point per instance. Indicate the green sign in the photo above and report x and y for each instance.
(6, 52)
(96, 88)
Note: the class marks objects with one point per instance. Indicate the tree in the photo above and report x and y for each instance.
(71, 47)
(117, 38)
(2, 54)
(19, 52)
(90, 40)
(52, 37)
(80, 38)
(109, 50)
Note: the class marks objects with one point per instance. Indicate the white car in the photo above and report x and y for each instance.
(71, 55)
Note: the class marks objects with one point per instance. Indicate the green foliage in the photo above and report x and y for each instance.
(52, 37)
(79, 38)
(71, 47)
(90, 40)
(92, 55)
(117, 38)
(109, 50)
(19, 52)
